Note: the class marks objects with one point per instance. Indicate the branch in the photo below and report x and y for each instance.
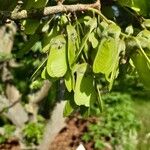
(41, 94)
(39, 13)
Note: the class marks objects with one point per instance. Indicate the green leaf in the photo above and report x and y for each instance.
(28, 45)
(129, 30)
(84, 88)
(56, 64)
(146, 23)
(104, 60)
(46, 41)
(69, 81)
(67, 109)
(70, 104)
(4, 56)
(114, 30)
(93, 40)
(141, 6)
(90, 22)
(31, 26)
(145, 33)
(128, 3)
(46, 25)
(115, 70)
(144, 38)
(44, 74)
(142, 68)
(40, 3)
(72, 39)
(29, 4)
(8, 5)
(92, 25)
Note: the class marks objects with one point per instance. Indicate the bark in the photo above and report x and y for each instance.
(54, 125)
(36, 98)
(39, 13)
(7, 33)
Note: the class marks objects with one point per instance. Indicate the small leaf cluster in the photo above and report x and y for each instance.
(80, 52)
(84, 49)
(33, 133)
(8, 132)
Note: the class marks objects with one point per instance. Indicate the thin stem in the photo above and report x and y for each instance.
(101, 15)
(99, 98)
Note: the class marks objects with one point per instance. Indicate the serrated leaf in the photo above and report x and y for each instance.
(104, 60)
(142, 68)
(84, 88)
(57, 64)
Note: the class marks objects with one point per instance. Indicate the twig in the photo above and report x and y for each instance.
(39, 13)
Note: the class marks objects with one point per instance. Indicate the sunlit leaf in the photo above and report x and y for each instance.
(114, 31)
(84, 88)
(72, 39)
(46, 41)
(104, 60)
(142, 68)
(57, 64)
(69, 81)
(93, 40)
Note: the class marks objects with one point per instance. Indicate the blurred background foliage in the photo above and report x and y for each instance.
(126, 108)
